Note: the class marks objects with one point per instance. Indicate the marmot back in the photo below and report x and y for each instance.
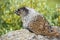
(40, 26)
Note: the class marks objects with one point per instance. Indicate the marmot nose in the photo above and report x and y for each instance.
(16, 11)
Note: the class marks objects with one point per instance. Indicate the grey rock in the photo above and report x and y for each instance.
(57, 28)
(24, 34)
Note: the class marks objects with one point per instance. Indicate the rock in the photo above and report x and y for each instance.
(57, 28)
(24, 34)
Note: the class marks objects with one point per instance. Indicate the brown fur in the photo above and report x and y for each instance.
(41, 27)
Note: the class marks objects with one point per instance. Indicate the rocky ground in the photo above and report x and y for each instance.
(24, 34)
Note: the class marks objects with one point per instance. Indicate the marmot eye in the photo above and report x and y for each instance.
(18, 9)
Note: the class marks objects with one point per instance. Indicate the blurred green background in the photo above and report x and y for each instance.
(10, 21)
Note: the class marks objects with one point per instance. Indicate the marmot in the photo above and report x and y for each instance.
(35, 22)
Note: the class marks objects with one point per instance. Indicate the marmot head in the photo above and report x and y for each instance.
(23, 11)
